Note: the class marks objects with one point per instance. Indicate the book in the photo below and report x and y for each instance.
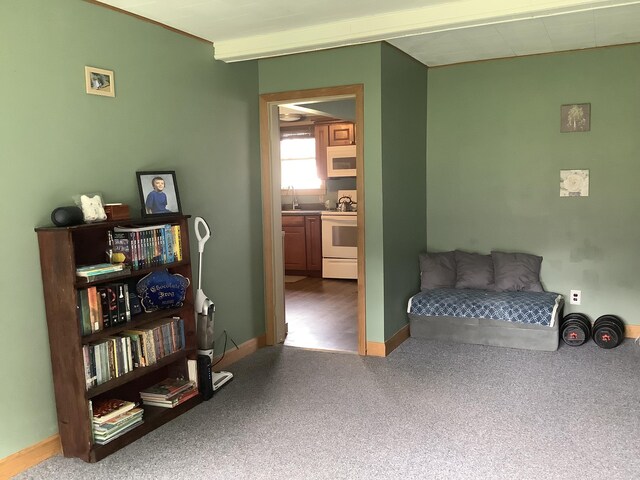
(103, 441)
(192, 368)
(121, 303)
(112, 301)
(83, 312)
(95, 312)
(177, 243)
(133, 241)
(168, 245)
(127, 306)
(97, 358)
(174, 402)
(167, 388)
(92, 270)
(128, 349)
(106, 409)
(114, 424)
(87, 366)
(103, 295)
(111, 359)
(121, 247)
(104, 276)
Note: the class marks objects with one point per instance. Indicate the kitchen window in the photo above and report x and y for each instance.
(298, 165)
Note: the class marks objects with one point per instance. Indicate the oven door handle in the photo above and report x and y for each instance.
(348, 222)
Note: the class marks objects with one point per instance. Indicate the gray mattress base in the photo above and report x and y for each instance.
(485, 331)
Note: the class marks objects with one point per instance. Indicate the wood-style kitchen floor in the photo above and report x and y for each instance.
(322, 314)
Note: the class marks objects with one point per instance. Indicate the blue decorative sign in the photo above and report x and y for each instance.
(162, 289)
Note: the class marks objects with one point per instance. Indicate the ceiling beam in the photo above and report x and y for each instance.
(430, 19)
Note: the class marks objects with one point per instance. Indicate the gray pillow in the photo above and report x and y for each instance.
(517, 272)
(474, 270)
(437, 270)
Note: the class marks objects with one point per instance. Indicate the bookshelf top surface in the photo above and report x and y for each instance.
(159, 220)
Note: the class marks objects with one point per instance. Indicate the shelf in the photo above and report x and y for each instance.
(137, 373)
(153, 418)
(61, 250)
(82, 282)
(136, 321)
(155, 220)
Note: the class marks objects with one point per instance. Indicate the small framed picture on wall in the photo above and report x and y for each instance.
(99, 81)
(575, 118)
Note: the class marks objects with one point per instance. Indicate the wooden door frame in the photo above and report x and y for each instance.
(270, 289)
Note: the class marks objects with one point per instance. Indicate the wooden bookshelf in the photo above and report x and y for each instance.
(62, 249)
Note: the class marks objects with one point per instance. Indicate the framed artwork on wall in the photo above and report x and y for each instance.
(99, 81)
(575, 117)
(158, 193)
(574, 183)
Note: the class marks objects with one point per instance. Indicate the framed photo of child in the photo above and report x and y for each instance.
(158, 193)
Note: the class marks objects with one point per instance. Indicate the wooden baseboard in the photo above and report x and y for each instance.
(30, 456)
(235, 354)
(395, 341)
(376, 349)
(379, 349)
(632, 331)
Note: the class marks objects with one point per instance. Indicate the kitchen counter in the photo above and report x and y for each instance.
(301, 212)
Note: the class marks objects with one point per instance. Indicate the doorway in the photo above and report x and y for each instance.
(272, 215)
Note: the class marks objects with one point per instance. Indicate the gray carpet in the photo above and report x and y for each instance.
(428, 411)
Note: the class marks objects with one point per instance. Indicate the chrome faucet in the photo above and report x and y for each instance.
(294, 201)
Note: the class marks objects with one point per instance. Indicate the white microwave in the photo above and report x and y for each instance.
(341, 161)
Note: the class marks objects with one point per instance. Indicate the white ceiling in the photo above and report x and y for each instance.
(435, 32)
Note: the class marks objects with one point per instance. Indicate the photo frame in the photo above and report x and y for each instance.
(158, 193)
(99, 81)
(574, 183)
(575, 117)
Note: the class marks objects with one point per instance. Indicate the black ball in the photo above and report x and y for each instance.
(67, 216)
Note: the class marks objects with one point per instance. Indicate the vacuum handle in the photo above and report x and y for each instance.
(202, 239)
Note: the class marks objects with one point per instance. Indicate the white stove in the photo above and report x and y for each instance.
(340, 242)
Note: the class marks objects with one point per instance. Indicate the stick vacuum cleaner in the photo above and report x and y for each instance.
(205, 312)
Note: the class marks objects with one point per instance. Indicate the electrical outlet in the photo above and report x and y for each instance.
(576, 297)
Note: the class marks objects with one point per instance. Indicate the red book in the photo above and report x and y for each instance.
(95, 310)
(104, 410)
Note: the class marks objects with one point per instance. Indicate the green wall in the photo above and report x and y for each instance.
(175, 108)
(347, 66)
(494, 155)
(404, 106)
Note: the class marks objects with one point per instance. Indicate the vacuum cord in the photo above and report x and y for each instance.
(224, 348)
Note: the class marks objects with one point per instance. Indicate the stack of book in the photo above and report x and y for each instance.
(169, 393)
(112, 418)
(101, 271)
(148, 246)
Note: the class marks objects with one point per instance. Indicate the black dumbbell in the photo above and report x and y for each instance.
(575, 329)
(608, 331)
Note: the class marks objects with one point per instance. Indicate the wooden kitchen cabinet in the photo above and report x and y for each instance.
(302, 244)
(321, 134)
(313, 238)
(295, 246)
(341, 134)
